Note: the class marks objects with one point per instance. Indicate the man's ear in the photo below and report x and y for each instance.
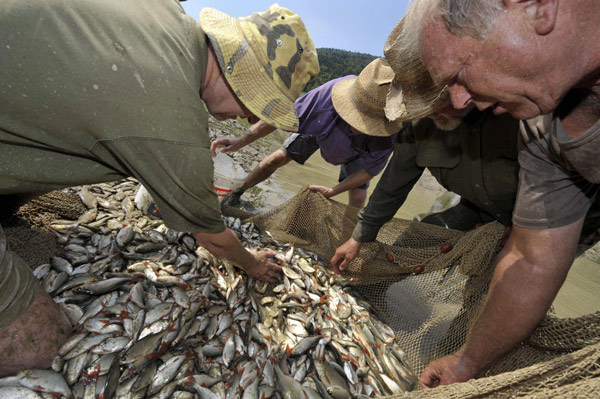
(541, 13)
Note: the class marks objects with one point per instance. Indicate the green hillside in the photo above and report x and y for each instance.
(335, 63)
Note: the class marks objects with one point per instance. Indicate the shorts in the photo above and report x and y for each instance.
(18, 286)
(300, 147)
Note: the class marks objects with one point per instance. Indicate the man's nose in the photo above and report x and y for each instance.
(460, 96)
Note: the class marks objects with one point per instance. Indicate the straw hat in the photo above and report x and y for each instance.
(267, 59)
(360, 100)
(413, 95)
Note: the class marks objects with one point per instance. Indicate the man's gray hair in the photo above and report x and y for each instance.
(469, 17)
(462, 17)
(407, 36)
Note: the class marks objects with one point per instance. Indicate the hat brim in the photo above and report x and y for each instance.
(250, 82)
(401, 108)
(419, 97)
(363, 120)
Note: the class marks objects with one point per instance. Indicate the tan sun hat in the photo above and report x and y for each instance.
(360, 100)
(413, 95)
(267, 59)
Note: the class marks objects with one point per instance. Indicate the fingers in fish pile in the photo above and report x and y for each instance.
(158, 317)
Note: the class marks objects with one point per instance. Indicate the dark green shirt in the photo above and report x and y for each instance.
(477, 161)
(97, 90)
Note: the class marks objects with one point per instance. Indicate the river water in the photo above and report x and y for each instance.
(580, 295)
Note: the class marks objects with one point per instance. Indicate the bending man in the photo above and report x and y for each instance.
(96, 91)
(526, 59)
(476, 159)
(345, 119)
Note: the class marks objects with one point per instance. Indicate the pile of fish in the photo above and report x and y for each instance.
(157, 316)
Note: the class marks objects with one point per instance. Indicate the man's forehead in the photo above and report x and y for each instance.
(436, 49)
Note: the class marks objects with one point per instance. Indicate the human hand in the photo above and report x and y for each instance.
(263, 268)
(448, 370)
(345, 254)
(227, 144)
(326, 191)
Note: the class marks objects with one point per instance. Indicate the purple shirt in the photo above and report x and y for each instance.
(336, 140)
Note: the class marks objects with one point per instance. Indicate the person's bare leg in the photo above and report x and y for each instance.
(356, 200)
(357, 197)
(33, 340)
(263, 171)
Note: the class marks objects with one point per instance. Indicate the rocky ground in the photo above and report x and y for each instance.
(249, 156)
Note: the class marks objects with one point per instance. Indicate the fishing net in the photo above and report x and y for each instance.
(428, 283)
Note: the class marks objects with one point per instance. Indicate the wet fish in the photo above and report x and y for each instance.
(157, 316)
(47, 381)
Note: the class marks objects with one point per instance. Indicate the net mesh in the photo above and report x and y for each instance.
(428, 283)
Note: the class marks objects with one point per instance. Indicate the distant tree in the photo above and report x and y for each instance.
(335, 63)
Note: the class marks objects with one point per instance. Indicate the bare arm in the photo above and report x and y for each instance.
(231, 144)
(356, 179)
(530, 270)
(228, 246)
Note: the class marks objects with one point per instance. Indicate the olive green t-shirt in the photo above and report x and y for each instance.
(97, 90)
(477, 160)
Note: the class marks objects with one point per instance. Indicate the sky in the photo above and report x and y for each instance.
(354, 25)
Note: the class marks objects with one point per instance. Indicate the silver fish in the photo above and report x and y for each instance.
(18, 392)
(165, 374)
(45, 381)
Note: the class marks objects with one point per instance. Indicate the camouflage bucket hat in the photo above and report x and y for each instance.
(267, 59)
(360, 100)
(413, 94)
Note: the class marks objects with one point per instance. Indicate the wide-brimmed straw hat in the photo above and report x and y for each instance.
(267, 59)
(360, 100)
(413, 94)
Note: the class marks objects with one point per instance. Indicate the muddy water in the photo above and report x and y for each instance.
(292, 177)
(579, 295)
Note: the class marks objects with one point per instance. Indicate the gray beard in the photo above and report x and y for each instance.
(451, 124)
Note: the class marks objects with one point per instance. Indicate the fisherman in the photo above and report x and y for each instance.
(344, 118)
(474, 156)
(469, 152)
(526, 59)
(96, 91)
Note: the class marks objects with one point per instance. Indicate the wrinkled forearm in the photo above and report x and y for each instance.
(530, 270)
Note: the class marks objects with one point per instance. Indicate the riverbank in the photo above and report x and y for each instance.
(286, 181)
